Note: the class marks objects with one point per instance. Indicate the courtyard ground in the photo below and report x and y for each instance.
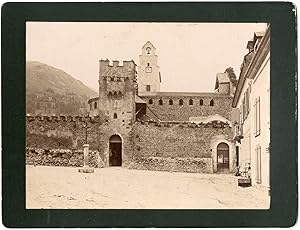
(120, 188)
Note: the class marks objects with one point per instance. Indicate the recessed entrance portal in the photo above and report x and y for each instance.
(115, 151)
(222, 157)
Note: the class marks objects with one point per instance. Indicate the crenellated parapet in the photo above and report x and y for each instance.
(115, 71)
(211, 124)
(116, 80)
(116, 63)
(64, 118)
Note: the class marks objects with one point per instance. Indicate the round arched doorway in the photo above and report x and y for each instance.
(222, 157)
(115, 151)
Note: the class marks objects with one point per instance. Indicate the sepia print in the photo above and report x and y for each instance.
(147, 115)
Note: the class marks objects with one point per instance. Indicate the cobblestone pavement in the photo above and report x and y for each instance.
(118, 188)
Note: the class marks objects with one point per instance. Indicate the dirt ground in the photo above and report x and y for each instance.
(120, 188)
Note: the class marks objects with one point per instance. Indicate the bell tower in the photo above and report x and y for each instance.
(149, 77)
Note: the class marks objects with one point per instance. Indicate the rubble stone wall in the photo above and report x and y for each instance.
(61, 157)
(67, 132)
(186, 164)
(167, 146)
(176, 146)
(176, 112)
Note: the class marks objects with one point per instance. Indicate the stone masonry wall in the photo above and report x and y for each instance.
(187, 164)
(176, 146)
(69, 133)
(61, 157)
(167, 146)
(175, 112)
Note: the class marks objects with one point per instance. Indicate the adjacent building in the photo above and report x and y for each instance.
(251, 110)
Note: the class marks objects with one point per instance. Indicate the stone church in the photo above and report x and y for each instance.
(145, 128)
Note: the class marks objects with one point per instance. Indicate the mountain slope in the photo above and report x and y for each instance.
(40, 76)
(51, 91)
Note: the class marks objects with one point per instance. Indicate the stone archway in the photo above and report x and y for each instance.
(115, 151)
(215, 141)
(222, 157)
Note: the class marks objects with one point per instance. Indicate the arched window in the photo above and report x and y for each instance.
(148, 64)
(115, 116)
(180, 102)
(150, 101)
(119, 94)
(160, 102)
(95, 105)
(170, 102)
(211, 103)
(201, 102)
(109, 94)
(91, 106)
(191, 102)
(115, 94)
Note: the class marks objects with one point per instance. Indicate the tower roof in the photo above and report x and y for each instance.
(221, 78)
(148, 43)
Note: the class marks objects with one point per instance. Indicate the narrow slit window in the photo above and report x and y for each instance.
(191, 102)
(170, 102)
(160, 102)
(211, 102)
(201, 102)
(95, 105)
(180, 102)
(115, 116)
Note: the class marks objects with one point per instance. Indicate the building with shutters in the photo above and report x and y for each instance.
(251, 110)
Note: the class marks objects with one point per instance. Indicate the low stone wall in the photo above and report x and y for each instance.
(195, 165)
(62, 157)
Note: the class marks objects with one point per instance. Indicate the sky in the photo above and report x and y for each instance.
(189, 54)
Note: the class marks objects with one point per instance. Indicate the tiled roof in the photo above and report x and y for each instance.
(139, 100)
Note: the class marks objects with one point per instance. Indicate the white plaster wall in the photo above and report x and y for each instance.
(145, 78)
(261, 88)
(245, 146)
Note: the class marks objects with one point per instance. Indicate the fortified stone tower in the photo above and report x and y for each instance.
(149, 78)
(115, 104)
(117, 86)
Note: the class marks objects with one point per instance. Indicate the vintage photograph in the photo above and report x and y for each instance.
(136, 115)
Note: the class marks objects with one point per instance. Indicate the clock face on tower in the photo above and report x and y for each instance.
(148, 69)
